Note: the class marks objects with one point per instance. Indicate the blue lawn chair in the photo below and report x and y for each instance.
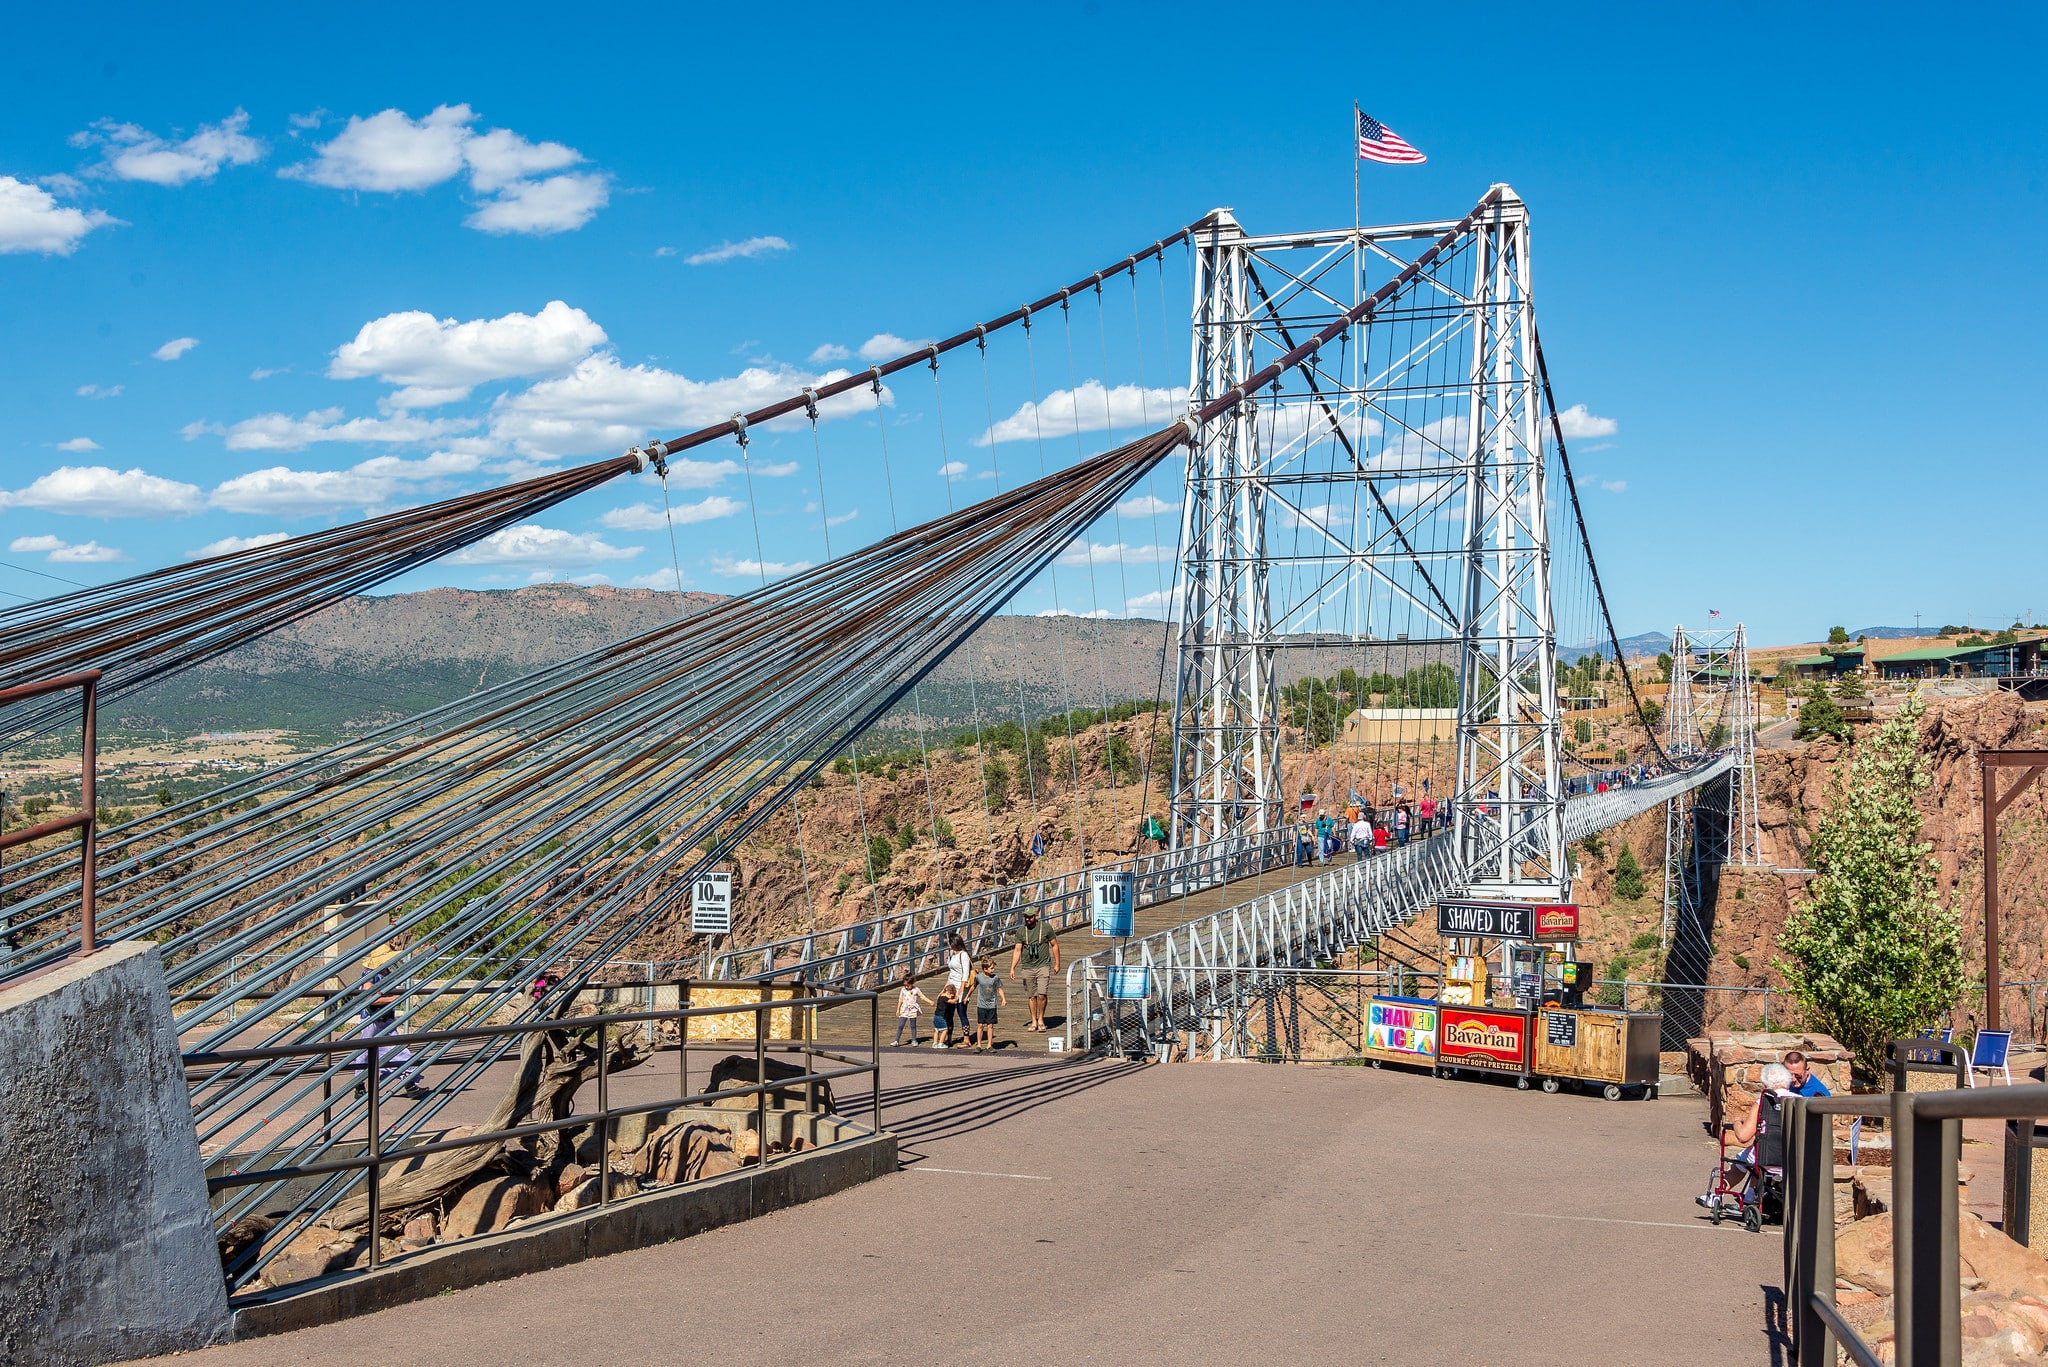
(1989, 1053)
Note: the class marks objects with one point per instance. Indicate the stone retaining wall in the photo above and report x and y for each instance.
(1728, 1067)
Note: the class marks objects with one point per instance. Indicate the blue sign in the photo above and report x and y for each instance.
(1129, 982)
(1112, 896)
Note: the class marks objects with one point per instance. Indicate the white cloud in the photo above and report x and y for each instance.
(530, 543)
(95, 391)
(602, 405)
(263, 373)
(440, 359)
(1614, 486)
(173, 349)
(1158, 601)
(98, 491)
(779, 470)
(78, 444)
(1146, 505)
(282, 432)
(664, 251)
(754, 569)
(558, 204)
(1091, 408)
(842, 519)
(737, 251)
(1113, 553)
(501, 157)
(645, 517)
(89, 553)
(390, 152)
(31, 220)
(952, 468)
(829, 353)
(128, 152)
(229, 545)
(887, 346)
(36, 545)
(663, 579)
(1577, 422)
(1069, 612)
(381, 480)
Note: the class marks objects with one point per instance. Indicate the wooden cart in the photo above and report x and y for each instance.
(1615, 1049)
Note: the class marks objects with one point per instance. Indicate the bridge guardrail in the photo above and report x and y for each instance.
(875, 951)
(1204, 966)
(363, 1109)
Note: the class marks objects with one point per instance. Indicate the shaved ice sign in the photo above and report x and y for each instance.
(1401, 1027)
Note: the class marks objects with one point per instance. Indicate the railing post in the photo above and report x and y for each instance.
(875, 1065)
(762, 1017)
(376, 1157)
(1930, 1331)
(1810, 1235)
(88, 885)
(604, 1103)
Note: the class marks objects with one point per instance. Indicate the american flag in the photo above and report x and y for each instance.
(1713, 613)
(1377, 142)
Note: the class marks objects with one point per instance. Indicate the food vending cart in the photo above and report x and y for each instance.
(1528, 1020)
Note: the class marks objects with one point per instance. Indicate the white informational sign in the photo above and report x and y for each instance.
(1112, 898)
(711, 904)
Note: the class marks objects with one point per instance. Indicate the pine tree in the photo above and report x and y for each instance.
(1849, 688)
(1819, 716)
(1628, 875)
(1873, 955)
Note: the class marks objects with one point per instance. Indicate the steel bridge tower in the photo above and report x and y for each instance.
(1710, 708)
(1431, 411)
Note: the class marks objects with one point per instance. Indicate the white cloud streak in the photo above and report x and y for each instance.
(173, 349)
(441, 360)
(737, 251)
(645, 517)
(1576, 422)
(1147, 505)
(229, 545)
(378, 482)
(100, 491)
(79, 444)
(1090, 408)
(95, 391)
(128, 152)
(754, 569)
(530, 544)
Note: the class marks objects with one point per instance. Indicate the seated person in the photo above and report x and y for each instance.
(1776, 1078)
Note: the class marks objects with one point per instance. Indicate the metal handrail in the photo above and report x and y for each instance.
(915, 940)
(1926, 1135)
(374, 1157)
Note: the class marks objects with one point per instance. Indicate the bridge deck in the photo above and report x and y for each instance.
(1080, 942)
(1057, 1211)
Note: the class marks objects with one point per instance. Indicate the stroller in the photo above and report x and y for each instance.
(1750, 1184)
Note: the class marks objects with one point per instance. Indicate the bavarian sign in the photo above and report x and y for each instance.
(1556, 921)
(1483, 1039)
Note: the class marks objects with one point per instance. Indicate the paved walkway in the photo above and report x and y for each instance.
(1054, 1210)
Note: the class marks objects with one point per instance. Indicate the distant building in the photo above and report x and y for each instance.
(2014, 659)
(1846, 660)
(1400, 725)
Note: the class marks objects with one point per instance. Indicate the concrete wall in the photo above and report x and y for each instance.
(106, 1247)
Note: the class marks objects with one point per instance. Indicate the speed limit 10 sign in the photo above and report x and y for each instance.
(711, 904)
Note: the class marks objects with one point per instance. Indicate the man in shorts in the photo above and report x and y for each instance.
(1038, 954)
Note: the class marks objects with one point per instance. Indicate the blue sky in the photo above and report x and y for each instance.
(1790, 258)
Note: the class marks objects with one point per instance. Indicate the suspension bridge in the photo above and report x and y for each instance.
(1379, 585)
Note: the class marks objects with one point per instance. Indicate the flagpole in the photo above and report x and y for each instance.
(1354, 166)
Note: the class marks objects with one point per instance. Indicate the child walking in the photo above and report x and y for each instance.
(942, 1017)
(988, 994)
(910, 1005)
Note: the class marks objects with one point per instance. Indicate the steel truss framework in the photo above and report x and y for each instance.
(1412, 461)
(1709, 714)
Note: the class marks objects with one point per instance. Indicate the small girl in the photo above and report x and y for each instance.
(910, 1004)
(942, 1018)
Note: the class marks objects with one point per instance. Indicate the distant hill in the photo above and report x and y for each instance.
(1647, 643)
(1893, 633)
(368, 661)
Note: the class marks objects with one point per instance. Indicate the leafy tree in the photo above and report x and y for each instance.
(995, 782)
(880, 852)
(1664, 666)
(1948, 630)
(1873, 956)
(1582, 730)
(942, 833)
(1653, 711)
(1819, 716)
(1837, 636)
(1849, 688)
(1628, 875)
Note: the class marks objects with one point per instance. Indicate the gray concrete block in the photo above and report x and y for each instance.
(107, 1248)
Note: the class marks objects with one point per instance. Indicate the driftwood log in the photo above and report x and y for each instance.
(552, 1065)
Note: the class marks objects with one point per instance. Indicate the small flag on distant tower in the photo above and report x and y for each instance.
(1713, 613)
(1377, 142)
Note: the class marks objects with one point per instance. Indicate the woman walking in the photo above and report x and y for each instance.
(959, 973)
